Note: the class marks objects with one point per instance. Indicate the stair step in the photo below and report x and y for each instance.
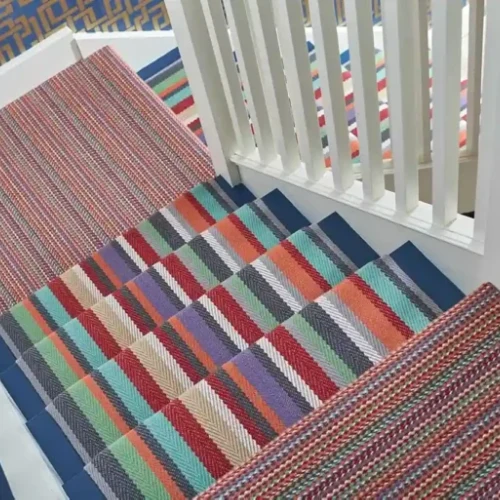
(101, 332)
(424, 423)
(108, 269)
(85, 156)
(196, 341)
(228, 417)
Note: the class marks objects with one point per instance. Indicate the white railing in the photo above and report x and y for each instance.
(268, 37)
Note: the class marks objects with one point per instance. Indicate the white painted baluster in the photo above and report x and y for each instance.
(271, 65)
(324, 25)
(446, 50)
(419, 15)
(252, 83)
(292, 38)
(198, 57)
(362, 52)
(399, 51)
(488, 175)
(474, 70)
(217, 28)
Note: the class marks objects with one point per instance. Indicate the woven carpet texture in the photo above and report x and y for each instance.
(112, 266)
(85, 156)
(423, 424)
(225, 419)
(198, 340)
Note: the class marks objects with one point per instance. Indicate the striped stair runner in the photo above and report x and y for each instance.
(167, 77)
(118, 262)
(70, 182)
(195, 342)
(225, 419)
(424, 424)
(101, 332)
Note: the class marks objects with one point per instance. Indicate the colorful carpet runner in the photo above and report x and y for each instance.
(167, 78)
(225, 419)
(101, 332)
(196, 341)
(225, 346)
(111, 267)
(81, 157)
(424, 424)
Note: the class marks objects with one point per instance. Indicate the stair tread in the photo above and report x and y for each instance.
(200, 338)
(230, 415)
(109, 268)
(102, 331)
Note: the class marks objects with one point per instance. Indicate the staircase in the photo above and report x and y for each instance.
(191, 353)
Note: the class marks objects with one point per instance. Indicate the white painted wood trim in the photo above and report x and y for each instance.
(244, 46)
(401, 87)
(292, 37)
(488, 181)
(361, 46)
(419, 15)
(453, 249)
(332, 90)
(26, 468)
(137, 48)
(224, 54)
(36, 65)
(474, 72)
(271, 66)
(199, 59)
(446, 47)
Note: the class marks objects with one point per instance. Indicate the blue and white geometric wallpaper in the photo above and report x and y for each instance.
(25, 22)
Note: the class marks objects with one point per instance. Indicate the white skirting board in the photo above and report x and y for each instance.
(25, 467)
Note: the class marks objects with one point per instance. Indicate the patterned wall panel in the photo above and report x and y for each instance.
(25, 22)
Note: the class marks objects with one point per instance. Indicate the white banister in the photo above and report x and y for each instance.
(474, 72)
(292, 38)
(399, 50)
(419, 16)
(324, 25)
(446, 52)
(199, 60)
(271, 66)
(224, 54)
(488, 175)
(361, 47)
(250, 74)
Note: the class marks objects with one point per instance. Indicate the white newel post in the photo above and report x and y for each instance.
(487, 225)
(198, 57)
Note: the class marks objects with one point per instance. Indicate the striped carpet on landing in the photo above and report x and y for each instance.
(167, 77)
(227, 418)
(424, 424)
(83, 157)
(101, 408)
(108, 269)
(101, 332)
